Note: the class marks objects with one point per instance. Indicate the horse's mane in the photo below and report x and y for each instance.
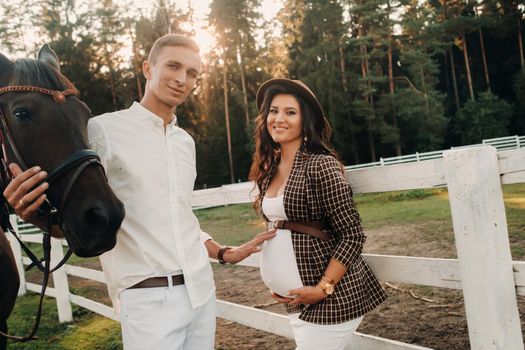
(36, 73)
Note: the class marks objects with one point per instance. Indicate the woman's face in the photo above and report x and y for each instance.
(284, 121)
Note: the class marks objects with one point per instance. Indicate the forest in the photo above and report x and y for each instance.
(395, 77)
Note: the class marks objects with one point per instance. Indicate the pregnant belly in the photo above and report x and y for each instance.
(278, 265)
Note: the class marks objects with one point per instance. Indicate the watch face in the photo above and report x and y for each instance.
(329, 289)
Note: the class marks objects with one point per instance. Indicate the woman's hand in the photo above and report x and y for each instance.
(236, 254)
(280, 298)
(306, 295)
(26, 193)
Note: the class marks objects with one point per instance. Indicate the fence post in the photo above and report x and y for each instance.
(381, 160)
(60, 283)
(17, 253)
(518, 142)
(482, 242)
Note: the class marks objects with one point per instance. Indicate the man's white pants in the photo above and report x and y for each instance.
(311, 336)
(163, 319)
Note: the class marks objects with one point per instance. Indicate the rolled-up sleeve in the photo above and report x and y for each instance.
(335, 197)
(205, 237)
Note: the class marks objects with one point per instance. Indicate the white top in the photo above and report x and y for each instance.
(278, 265)
(151, 169)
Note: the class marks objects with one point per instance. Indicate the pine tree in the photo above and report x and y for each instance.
(316, 42)
(420, 104)
(235, 23)
(488, 117)
(111, 29)
(13, 27)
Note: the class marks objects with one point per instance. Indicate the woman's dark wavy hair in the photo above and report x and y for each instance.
(267, 154)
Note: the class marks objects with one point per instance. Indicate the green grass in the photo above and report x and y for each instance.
(232, 224)
(396, 208)
(376, 209)
(515, 210)
(37, 249)
(87, 331)
(236, 224)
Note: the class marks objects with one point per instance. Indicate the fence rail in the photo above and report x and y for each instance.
(500, 143)
(473, 176)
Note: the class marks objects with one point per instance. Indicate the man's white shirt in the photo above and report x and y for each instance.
(152, 171)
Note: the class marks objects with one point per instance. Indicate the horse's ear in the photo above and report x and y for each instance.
(5, 64)
(4, 61)
(47, 55)
(5, 68)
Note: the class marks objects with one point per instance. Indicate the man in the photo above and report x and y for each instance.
(158, 275)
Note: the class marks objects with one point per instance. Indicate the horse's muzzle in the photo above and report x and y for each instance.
(95, 232)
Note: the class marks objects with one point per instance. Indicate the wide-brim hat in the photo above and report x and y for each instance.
(295, 86)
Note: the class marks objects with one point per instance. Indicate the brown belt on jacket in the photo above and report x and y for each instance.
(312, 228)
(155, 282)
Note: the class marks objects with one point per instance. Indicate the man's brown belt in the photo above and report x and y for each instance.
(312, 228)
(155, 282)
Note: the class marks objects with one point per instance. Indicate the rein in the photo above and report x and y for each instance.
(80, 160)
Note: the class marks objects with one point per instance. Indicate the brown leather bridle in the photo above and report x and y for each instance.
(49, 213)
(58, 96)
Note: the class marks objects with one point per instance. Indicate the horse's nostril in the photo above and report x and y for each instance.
(97, 219)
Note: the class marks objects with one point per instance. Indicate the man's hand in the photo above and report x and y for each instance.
(240, 253)
(26, 193)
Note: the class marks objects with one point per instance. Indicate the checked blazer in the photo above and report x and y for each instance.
(318, 191)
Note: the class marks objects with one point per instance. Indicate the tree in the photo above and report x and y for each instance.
(419, 102)
(235, 23)
(13, 27)
(67, 27)
(367, 31)
(486, 118)
(391, 86)
(518, 122)
(111, 29)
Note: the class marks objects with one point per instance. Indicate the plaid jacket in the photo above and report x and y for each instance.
(318, 191)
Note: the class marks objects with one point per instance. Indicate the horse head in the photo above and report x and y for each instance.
(45, 124)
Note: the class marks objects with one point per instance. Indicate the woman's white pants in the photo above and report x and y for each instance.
(311, 336)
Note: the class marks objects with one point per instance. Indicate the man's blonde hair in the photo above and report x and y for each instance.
(171, 40)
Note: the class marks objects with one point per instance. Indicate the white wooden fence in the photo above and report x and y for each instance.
(501, 143)
(484, 270)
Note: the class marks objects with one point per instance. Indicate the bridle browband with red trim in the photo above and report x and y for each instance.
(58, 96)
(49, 213)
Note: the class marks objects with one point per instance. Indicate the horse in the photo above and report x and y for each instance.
(44, 123)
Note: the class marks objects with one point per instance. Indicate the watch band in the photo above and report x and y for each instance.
(327, 285)
(327, 280)
(220, 256)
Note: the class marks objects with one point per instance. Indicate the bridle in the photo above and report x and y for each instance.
(78, 160)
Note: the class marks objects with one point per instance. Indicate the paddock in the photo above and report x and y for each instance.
(484, 270)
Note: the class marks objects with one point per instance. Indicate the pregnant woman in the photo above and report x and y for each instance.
(314, 264)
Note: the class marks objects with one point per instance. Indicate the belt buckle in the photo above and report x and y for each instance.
(270, 225)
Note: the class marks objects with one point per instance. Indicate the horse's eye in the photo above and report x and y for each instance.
(22, 114)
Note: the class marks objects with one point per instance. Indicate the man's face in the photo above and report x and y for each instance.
(174, 74)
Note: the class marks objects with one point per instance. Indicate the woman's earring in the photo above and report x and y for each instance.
(303, 145)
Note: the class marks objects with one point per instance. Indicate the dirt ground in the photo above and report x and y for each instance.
(438, 323)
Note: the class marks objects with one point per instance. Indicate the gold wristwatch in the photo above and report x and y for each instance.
(327, 285)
